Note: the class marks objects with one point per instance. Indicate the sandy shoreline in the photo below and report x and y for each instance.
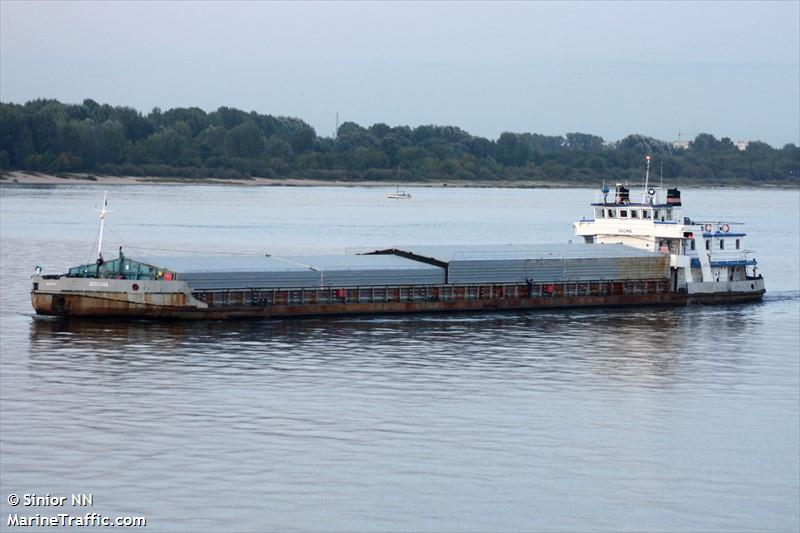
(24, 177)
(38, 178)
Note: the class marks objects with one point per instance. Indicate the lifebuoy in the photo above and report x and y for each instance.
(725, 228)
(707, 227)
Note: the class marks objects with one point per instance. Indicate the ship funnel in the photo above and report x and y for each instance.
(622, 194)
(674, 197)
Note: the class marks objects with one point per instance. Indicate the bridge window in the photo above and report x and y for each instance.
(599, 212)
(646, 213)
(708, 244)
(692, 246)
(722, 244)
(612, 213)
(668, 214)
(634, 213)
(737, 244)
(655, 214)
(623, 213)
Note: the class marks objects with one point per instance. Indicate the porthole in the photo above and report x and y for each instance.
(135, 286)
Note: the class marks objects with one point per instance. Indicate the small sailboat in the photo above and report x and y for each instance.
(398, 194)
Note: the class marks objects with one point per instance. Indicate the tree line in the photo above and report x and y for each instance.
(53, 137)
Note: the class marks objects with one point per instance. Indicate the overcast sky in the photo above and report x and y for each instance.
(731, 69)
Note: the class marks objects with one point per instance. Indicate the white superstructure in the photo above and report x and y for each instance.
(706, 256)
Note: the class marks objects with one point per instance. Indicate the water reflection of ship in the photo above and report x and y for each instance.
(547, 344)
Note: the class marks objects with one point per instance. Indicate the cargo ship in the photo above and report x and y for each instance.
(633, 253)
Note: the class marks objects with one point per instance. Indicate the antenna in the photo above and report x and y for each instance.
(102, 225)
(646, 180)
(681, 143)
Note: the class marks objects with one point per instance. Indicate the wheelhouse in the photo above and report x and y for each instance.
(120, 268)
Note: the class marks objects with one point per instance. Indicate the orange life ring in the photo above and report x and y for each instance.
(725, 228)
(707, 227)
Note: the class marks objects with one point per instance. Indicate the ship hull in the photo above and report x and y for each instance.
(181, 304)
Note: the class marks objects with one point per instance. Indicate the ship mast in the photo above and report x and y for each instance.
(646, 180)
(102, 224)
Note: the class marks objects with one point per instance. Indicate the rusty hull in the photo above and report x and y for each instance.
(101, 305)
(173, 300)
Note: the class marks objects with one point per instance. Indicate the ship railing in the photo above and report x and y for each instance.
(716, 222)
(428, 293)
(729, 255)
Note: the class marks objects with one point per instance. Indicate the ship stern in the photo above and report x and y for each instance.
(87, 297)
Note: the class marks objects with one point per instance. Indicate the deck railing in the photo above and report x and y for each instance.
(422, 293)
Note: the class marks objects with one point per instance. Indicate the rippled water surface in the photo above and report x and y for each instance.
(641, 419)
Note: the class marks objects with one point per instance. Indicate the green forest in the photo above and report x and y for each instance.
(52, 137)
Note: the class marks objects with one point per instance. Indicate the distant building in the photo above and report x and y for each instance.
(684, 145)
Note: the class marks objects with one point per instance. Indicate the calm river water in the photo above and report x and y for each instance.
(641, 419)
